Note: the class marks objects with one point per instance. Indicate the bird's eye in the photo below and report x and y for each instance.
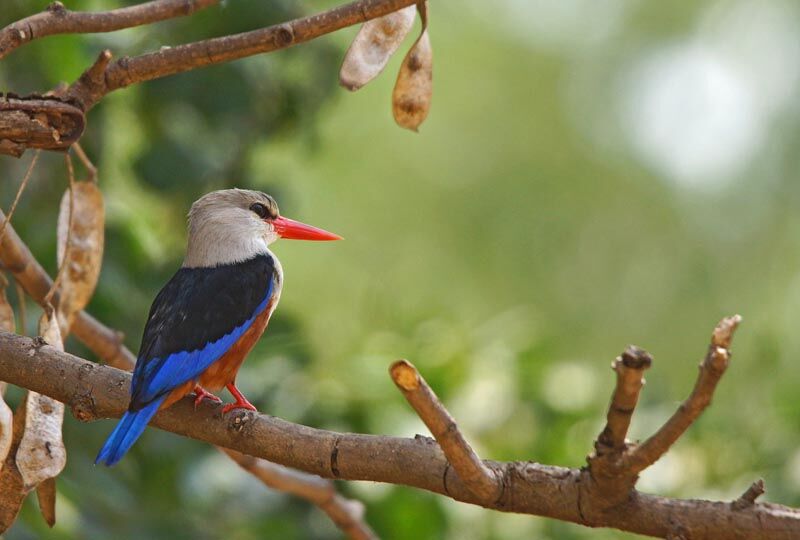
(260, 209)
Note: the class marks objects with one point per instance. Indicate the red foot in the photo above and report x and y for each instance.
(240, 403)
(201, 393)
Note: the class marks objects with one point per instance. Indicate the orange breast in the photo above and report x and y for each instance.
(224, 370)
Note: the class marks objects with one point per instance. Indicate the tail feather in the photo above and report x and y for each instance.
(129, 428)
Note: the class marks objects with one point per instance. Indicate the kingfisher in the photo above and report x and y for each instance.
(212, 312)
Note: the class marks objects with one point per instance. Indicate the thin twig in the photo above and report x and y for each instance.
(711, 370)
(57, 19)
(478, 478)
(748, 498)
(91, 170)
(18, 196)
(21, 308)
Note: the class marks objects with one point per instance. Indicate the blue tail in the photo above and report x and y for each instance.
(129, 428)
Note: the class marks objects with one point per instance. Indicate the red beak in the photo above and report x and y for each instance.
(294, 230)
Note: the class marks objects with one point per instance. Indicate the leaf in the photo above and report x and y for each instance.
(41, 454)
(413, 91)
(85, 253)
(373, 46)
(46, 494)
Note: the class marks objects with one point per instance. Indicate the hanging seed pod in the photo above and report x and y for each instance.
(413, 91)
(46, 494)
(373, 46)
(41, 454)
(6, 418)
(85, 253)
(12, 490)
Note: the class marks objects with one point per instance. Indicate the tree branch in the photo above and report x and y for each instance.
(711, 370)
(477, 477)
(108, 345)
(56, 122)
(172, 60)
(57, 19)
(95, 391)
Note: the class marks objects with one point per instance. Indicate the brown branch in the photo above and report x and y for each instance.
(172, 60)
(56, 122)
(630, 368)
(108, 345)
(711, 370)
(474, 473)
(57, 19)
(95, 391)
(347, 514)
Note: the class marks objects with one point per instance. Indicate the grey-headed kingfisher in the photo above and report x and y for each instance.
(211, 313)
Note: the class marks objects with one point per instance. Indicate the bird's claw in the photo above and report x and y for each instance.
(238, 405)
(201, 393)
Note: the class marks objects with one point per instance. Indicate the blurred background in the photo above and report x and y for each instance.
(592, 174)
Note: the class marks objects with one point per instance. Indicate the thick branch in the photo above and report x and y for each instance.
(172, 60)
(711, 370)
(95, 391)
(479, 479)
(57, 19)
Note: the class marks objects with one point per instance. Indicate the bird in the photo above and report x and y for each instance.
(210, 314)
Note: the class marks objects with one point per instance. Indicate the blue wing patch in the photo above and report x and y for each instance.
(179, 368)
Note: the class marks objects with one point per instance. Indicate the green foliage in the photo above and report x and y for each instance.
(510, 250)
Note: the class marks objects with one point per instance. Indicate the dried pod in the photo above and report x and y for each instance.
(413, 91)
(12, 490)
(6, 417)
(46, 494)
(41, 453)
(85, 252)
(374, 45)
(6, 429)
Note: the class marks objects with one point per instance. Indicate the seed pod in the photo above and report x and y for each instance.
(41, 454)
(46, 494)
(413, 91)
(6, 417)
(85, 253)
(373, 46)
(12, 491)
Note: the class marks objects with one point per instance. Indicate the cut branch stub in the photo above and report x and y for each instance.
(373, 46)
(482, 481)
(38, 122)
(630, 368)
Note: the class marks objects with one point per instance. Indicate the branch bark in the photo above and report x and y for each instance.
(94, 391)
(57, 19)
(57, 121)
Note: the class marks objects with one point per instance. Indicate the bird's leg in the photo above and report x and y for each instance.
(241, 401)
(201, 393)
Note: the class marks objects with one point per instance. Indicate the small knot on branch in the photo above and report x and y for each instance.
(56, 8)
(284, 36)
(749, 497)
(636, 358)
